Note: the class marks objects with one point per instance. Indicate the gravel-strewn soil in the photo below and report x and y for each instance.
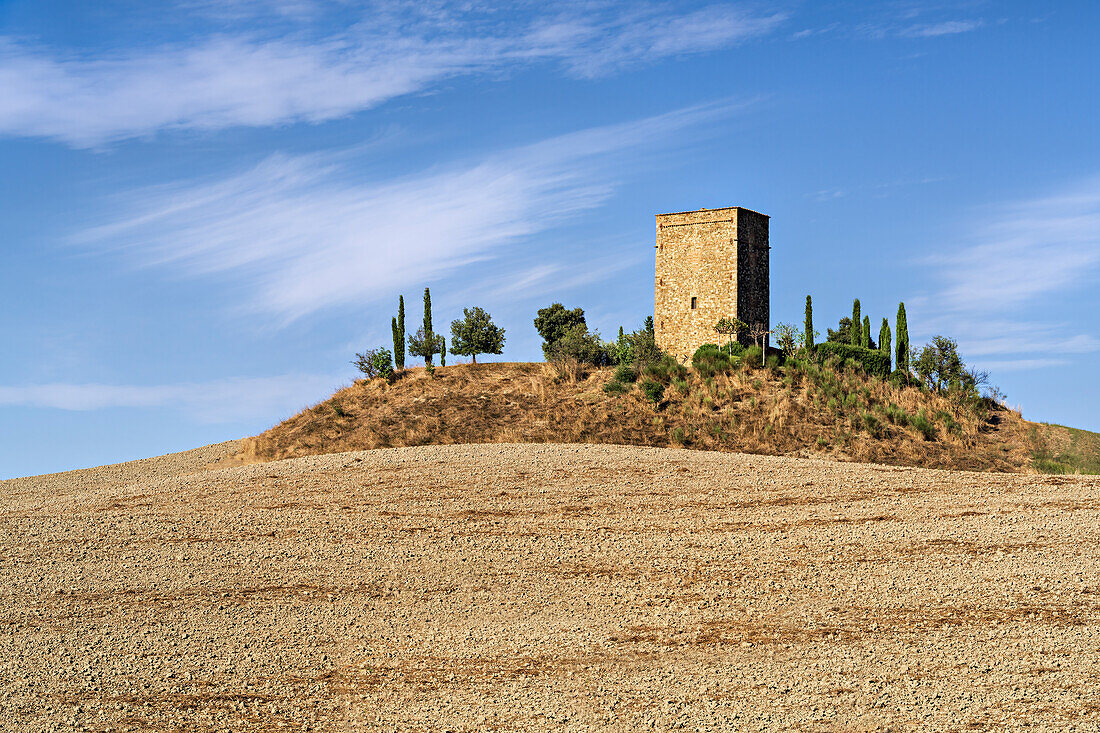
(503, 587)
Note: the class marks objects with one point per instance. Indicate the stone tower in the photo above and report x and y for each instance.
(711, 264)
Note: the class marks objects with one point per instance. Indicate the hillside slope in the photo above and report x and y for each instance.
(813, 412)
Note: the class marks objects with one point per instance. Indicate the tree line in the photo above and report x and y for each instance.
(473, 334)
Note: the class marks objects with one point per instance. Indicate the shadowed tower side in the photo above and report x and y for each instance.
(711, 264)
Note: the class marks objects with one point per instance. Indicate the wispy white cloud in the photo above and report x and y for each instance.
(944, 28)
(1004, 294)
(220, 401)
(300, 233)
(1029, 249)
(998, 366)
(246, 79)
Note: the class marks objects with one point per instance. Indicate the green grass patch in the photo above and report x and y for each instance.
(1078, 451)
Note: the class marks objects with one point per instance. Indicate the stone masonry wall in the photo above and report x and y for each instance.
(720, 258)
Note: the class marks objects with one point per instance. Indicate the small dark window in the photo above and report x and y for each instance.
(694, 302)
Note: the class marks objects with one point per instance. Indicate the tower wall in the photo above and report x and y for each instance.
(719, 257)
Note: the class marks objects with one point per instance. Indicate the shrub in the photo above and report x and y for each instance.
(871, 423)
(900, 378)
(897, 415)
(666, 369)
(654, 391)
(709, 360)
(753, 357)
(789, 338)
(626, 373)
(924, 426)
(949, 422)
(615, 388)
(375, 363)
(430, 370)
(639, 348)
(735, 349)
(581, 344)
(678, 436)
(872, 361)
(681, 385)
(773, 362)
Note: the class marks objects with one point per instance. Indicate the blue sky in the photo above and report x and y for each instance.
(207, 207)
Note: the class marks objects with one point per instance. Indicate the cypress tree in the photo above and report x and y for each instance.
(903, 339)
(398, 342)
(865, 335)
(442, 351)
(857, 325)
(399, 338)
(428, 334)
(884, 339)
(809, 324)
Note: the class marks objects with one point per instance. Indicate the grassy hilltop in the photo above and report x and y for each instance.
(799, 409)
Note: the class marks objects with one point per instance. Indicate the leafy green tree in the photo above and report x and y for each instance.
(865, 336)
(788, 338)
(399, 334)
(884, 338)
(424, 345)
(648, 326)
(476, 334)
(554, 321)
(903, 339)
(856, 335)
(582, 345)
(842, 334)
(809, 332)
(940, 368)
(730, 327)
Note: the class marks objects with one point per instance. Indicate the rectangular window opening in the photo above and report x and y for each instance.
(694, 302)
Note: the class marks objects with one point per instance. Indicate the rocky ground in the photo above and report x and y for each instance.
(505, 587)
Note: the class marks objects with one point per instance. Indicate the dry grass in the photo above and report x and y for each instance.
(812, 411)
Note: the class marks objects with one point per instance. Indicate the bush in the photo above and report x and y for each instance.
(900, 378)
(924, 426)
(734, 349)
(753, 357)
(615, 388)
(375, 363)
(773, 362)
(897, 415)
(626, 373)
(678, 436)
(871, 361)
(582, 345)
(666, 369)
(871, 424)
(638, 348)
(709, 360)
(654, 391)
(949, 422)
